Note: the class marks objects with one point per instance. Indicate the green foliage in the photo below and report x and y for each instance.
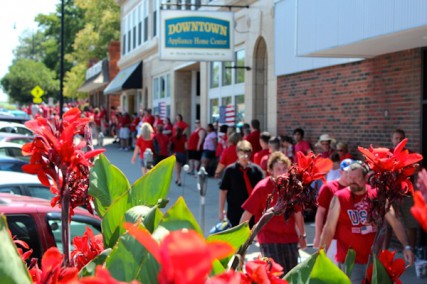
(13, 269)
(114, 195)
(318, 268)
(24, 75)
(235, 236)
(379, 274)
(350, 258)
(89, 269)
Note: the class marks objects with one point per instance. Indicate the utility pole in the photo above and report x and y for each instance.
(61, 75)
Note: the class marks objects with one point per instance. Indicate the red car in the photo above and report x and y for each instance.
(34, 221)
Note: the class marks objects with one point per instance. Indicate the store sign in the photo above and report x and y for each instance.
(196, 35)
(94, 70)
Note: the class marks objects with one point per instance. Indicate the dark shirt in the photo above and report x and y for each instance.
(237, 194)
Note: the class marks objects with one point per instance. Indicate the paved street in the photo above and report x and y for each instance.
(189, 191)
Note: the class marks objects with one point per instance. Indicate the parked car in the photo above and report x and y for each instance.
(34, 221)
(13, 127)
(11, 165)
(15, 138)
(9, 149)
(12, 118)
(23, 184)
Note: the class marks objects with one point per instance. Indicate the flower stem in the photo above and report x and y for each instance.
(266, 217)
(378, 241)
(65, 216)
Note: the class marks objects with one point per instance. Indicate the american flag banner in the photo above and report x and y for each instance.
(227, 115)
(162, 110)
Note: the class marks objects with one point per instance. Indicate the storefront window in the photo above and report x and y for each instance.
(156, 89)
(239, 76)
(239, 102)
(214, 107)
(226, 73)
(226, 101)
(215, 71)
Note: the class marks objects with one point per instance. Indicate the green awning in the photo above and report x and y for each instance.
(128, 78)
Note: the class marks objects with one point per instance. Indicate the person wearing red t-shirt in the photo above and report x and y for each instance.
(132, 128)
(167, 127)
(124, 132)
(279, 238)
(179, 123)
(263, 141)
(229, 155)
(324, 198)
(254, 136)
(273, 146)
(301, 145)
(324, 144)
(144, 142)
(158, 121)
(97, 121)
(178, 147)
(148, 117)
(161, 145)
(348, 221)
(195, 147)
(342, 150)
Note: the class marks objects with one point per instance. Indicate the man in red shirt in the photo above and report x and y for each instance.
(324, 198)
(229, 155)
(263, 141)
(254, 136)
(348, 221)
(300, 144)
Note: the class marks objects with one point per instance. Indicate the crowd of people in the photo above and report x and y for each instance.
(245, 159)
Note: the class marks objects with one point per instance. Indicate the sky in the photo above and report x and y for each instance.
(16, 17)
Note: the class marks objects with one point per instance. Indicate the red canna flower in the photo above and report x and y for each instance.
(312, 167)
(264, 270)
(58, 163)
(294, 188)
(394, 268)
(52, 272)
(399, 162)
(419, 210)
(184, 256)
(87, 247)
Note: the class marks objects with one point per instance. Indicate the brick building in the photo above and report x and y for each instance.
(350, 73)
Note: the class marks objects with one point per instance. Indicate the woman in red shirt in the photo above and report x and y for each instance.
(229, 155)
(179, 148)
(161, 145)
(144, 142)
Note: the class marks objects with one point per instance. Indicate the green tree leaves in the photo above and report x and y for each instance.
(24, 75)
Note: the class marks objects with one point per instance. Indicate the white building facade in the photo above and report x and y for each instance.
(197, 89)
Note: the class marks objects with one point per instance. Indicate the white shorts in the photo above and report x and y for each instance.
(332, 251)
(124, 133)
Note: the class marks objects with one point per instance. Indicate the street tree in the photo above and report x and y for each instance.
(102, 25)
(24, 75)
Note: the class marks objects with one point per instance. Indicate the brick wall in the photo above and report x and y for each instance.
(359, 103)
(113, 58)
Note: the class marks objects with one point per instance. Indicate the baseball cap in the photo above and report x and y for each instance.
(345, 164)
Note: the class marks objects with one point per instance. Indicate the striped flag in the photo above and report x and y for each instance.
(227, 115)
(162, 110)
(230, 114)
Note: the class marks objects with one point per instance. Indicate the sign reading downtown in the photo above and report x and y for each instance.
(196, 35)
